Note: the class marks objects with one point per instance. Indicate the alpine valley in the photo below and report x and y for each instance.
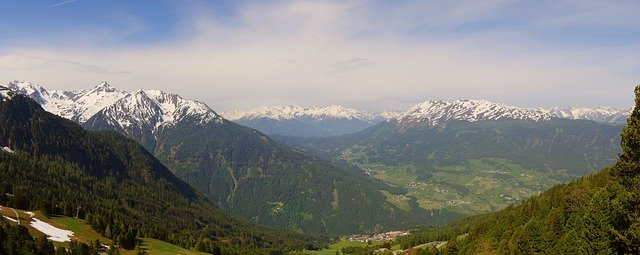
(335, 170)
(596, 214)
(240, 169)
(474, 156)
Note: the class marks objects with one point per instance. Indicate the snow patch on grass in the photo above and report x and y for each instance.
(55, 234)
(31, 214)
(7, 149)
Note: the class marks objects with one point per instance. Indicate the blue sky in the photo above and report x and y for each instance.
(372, 55)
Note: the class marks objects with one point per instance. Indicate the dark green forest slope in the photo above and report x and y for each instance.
(247, 173)
(597, 214)
(122, 190)
(473, 167)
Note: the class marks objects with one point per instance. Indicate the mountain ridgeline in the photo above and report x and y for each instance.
(575, 147)
(238, 168)
(597, 214)
(248, 174)
(296, 121)
(56, 166)
(305, 122)
(472, 156)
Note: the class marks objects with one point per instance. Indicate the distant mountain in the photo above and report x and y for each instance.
(599, 114)
(472, 156)
(247, 173)
(295, 121)
(596, 214)
(56, 166)
(305, 121)
(432, 113)
(435, 112)
(78, 106)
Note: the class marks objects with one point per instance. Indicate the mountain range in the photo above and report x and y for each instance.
(465, 156)
(53, 165)
(596, 214)
(471, 156)
(296, 121)
(238, 168)
(305, 121)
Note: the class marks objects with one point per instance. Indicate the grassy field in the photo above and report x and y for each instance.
(157, 247)
(399, 201)
(84, 233)
(335, 247)
(474, 186)
(81, 231)
(25, 219)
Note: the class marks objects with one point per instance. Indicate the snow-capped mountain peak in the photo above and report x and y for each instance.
(154, 109)
(294, 111)
(437, 112)
(103, 87)
(149, 108)
(32, 90)
(93, 100)
(599, 114)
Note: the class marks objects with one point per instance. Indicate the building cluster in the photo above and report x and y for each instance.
(387, 236)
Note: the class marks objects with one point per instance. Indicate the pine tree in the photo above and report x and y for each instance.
(628, 163)
(627, 171)
(597, 223)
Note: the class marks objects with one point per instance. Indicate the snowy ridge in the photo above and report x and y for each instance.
(390, 115)
(31, 90)
(437, 112)
(75, 105)
(599, 114)
(150, 108)
(294, 112)
(5, 93)
(156, 109)
(92, 101)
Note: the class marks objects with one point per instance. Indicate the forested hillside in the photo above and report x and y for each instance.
(597, 214)
(238, 168)
(473, 167)
(247, 173)
(53, 165)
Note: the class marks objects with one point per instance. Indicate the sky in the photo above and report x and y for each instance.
(369, 55)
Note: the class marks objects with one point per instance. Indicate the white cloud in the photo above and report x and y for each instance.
(21, 62)
(290, 53)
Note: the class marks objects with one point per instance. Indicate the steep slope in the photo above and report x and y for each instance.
(305, 122)
(472, 157)
(144, 114)
(248, 174)
(56, 166)
(598, 214)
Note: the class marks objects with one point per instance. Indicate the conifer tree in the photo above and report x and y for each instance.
(628, 163)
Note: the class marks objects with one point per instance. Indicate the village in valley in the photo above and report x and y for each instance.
(382, 237)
